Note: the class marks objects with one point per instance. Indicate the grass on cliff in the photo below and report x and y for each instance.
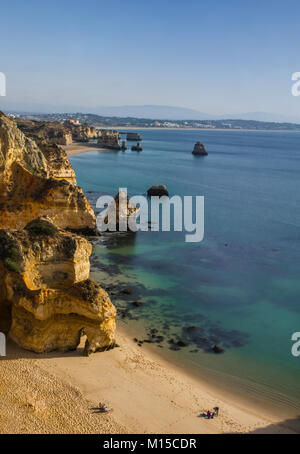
(10, 255)
(42, 228)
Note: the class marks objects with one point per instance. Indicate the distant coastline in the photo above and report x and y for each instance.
(154, 128)
(109, 122)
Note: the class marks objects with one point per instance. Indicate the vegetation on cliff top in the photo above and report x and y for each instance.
(10, 253)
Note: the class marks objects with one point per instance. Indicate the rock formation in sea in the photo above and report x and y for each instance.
(119, 212)
(47, 301)
(81, 133)
(199, 149)
(133, 136)
(137, 147)
(158, 190)
(45, 280)
(37, 181)
(109, 138)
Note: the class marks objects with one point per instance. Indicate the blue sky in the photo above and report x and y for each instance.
(216, 56)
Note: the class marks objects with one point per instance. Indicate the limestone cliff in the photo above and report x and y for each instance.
(46, 290)
(81, 133)
(47, 301)
(36, 181)
(109, 138)
(53, 132)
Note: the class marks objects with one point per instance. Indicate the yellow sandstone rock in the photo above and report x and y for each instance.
(38, 182)
(44, 279)
(47, 301)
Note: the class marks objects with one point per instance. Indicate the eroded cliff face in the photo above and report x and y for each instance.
(44, 275)
(109, 138)
(47, 301)
(37, 181)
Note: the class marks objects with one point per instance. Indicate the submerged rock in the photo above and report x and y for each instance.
(127, 291)
(217, 349)
(137, 303)
(158, 190)
(182, 343)
(199, 149)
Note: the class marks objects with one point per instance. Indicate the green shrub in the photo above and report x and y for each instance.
(41, 228)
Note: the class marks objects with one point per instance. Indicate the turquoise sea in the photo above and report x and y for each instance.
(240, 287)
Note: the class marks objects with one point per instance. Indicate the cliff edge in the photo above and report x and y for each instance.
(47, 300)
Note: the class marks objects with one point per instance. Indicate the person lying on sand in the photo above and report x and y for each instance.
(104, 408)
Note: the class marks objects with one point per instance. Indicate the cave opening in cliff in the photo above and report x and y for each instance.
(5, 317)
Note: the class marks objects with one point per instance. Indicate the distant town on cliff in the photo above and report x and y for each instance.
(133, 122)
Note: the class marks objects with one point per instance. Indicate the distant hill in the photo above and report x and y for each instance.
(151, 112)
(133, 122)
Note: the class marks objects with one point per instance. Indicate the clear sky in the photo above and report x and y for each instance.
(216, 56)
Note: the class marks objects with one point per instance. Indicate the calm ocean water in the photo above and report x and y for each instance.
(240, 287)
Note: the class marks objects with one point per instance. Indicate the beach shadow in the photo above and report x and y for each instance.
(97, 411)
(13, 352)
(284, 427)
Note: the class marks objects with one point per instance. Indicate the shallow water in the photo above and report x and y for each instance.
(240, 287)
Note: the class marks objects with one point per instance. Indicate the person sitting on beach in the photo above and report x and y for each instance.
(217, 411)
(208, 414)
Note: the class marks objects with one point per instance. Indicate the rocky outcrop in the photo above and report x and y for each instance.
(199, 149)
(47, 301)
(119, 212)
(137, 147)
(133, 136)
(81, 133)
(158, 190)
(47, 292)
(52, 132)
(109, 138)
(59, 133)
(38, 180)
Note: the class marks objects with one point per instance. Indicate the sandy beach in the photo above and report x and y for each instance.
(148, 393)
(59, 393)
(78, 147)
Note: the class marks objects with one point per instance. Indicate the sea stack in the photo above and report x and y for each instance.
(137, 147)
(133, 136)
(120, 210)
(109, 138)
(199, 149)
(158, 190)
